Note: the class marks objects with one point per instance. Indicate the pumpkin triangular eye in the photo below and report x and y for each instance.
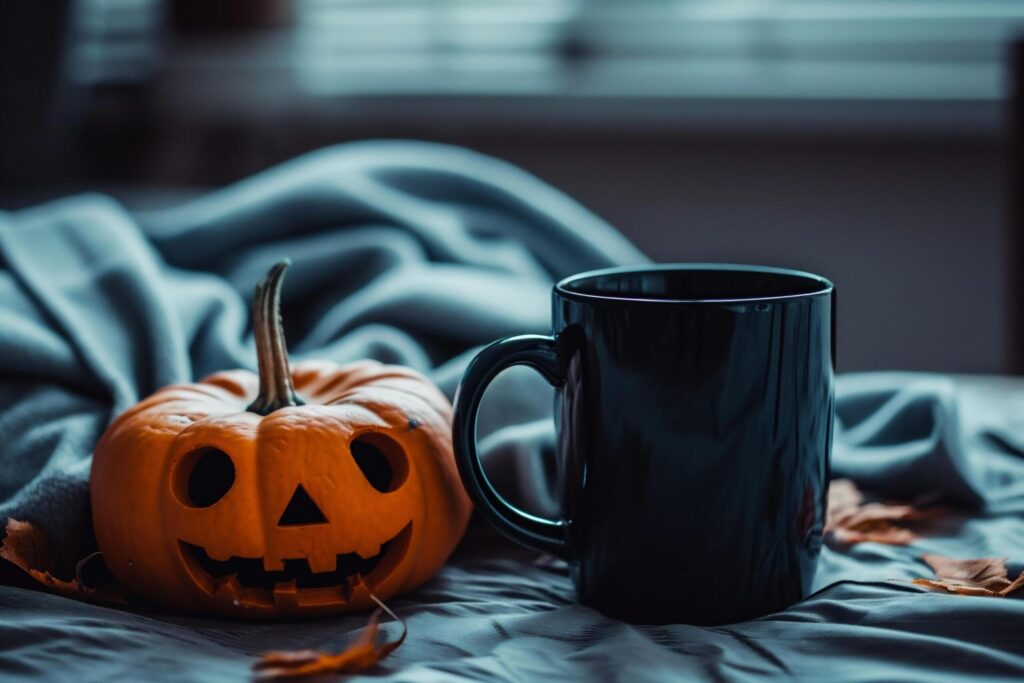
(301, 510)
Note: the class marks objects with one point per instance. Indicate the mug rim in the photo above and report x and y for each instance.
(561, 287)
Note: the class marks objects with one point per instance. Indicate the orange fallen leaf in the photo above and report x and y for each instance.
(27, 547)
(886, 534)
(361, 655)
(984, 576)
(849, 520)
(843, 498)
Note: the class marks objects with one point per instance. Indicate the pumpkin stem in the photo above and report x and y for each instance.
(276, 390)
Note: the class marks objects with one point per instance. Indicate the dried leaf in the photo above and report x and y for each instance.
(27, 547)
(361, 655)
(984, 576)
(871, 514)
(849, 520)
(888, 535)
(986, 572)
(1014, 586)
(843, 498)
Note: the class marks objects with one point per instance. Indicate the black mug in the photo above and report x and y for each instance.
(693, 414)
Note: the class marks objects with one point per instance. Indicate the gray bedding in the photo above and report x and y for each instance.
(418, 254)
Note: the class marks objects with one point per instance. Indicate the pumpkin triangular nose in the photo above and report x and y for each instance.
(301, 510)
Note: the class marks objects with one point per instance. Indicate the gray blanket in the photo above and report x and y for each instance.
(418, 254)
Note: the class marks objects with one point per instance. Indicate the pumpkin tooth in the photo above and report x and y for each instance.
(218, 553)
(320, 562)
(227, 587)
(272, 564)
(286, 595)
(368, 552)
(358, 590)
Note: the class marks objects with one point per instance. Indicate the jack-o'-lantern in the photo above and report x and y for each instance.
(290, 492)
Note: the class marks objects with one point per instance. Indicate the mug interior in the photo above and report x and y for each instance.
(694, 283)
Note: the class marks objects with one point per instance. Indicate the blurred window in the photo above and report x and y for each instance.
(722, 48)
(114, 41)
(865, 49)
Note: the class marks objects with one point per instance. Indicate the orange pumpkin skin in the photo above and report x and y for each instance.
(148, 527)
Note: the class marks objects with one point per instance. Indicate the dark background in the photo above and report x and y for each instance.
(868, 141)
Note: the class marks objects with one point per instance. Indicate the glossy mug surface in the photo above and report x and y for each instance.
(693, 411)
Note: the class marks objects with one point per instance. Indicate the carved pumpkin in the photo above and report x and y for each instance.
(287, 493)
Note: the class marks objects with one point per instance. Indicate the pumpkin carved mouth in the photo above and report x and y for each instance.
(245, 580)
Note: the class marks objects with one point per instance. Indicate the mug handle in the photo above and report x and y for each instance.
(540, 353)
